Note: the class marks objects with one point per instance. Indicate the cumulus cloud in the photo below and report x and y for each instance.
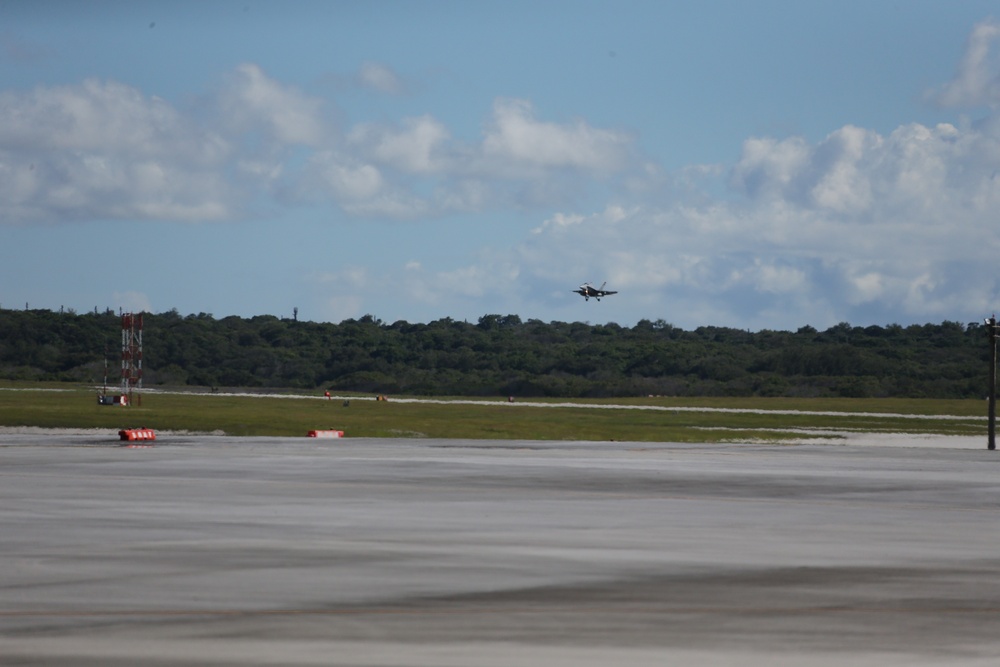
(102, 149)
(359, 188)
(857, 225)
(381, 78)
(830, 175)
(772, 276)
(914, 180)
(515, 136)
(977, 82)
(251, 101)
(416, 146)
(425, 171)
(348, 180)
(468, 283)
(885, 224)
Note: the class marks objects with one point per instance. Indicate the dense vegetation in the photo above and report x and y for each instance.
(501, 355)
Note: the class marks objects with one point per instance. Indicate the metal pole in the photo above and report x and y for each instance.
(991, 442)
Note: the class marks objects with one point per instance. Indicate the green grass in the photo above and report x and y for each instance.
(75, 406)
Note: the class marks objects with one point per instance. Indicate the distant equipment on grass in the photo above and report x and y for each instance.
(131, 364)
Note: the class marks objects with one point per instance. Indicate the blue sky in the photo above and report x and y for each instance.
(763, 165)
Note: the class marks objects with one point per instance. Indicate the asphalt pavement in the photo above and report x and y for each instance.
(209, 550)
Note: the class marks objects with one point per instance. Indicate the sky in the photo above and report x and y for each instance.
(759, 165)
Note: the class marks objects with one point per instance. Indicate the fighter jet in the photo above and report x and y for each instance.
(587, 290)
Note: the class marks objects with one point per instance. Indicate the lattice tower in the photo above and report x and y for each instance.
(132, 357)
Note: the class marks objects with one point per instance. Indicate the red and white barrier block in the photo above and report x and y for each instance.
(136, 434)
(326, 434)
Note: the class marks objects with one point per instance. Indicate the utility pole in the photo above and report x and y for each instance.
(991, 331)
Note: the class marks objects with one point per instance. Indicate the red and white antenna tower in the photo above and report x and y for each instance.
(132, 357)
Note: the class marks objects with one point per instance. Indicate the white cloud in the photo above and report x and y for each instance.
(867, 282)
(827, 176)
(559, 221)
(977, 82)
(768, 167)
(858, 224)
(470, 283)
(415, 147)
(514, 137)
(912, 182)
(349, 181)
(843, 186)
(359, 188)
(423, 171)
(253, 101)
(774, 277)
(381, 78)
(97, 114)
(887, 223)
(102, 149)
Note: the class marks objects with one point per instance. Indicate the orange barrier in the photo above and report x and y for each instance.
(326, 434)
(133, 434)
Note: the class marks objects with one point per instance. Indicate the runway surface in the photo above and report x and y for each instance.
(380, 552)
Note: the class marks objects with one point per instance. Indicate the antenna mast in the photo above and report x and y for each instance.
(132, 357)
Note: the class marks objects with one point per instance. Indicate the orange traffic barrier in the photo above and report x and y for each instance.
(326, 434)
(133, 434)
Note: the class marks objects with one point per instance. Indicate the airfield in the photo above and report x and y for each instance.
(214, 550)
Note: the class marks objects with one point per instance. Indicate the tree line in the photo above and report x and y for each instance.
(503, 355)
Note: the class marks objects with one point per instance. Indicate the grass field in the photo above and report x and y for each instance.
(654, 419)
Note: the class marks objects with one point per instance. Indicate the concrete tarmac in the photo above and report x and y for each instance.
(384, 552)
